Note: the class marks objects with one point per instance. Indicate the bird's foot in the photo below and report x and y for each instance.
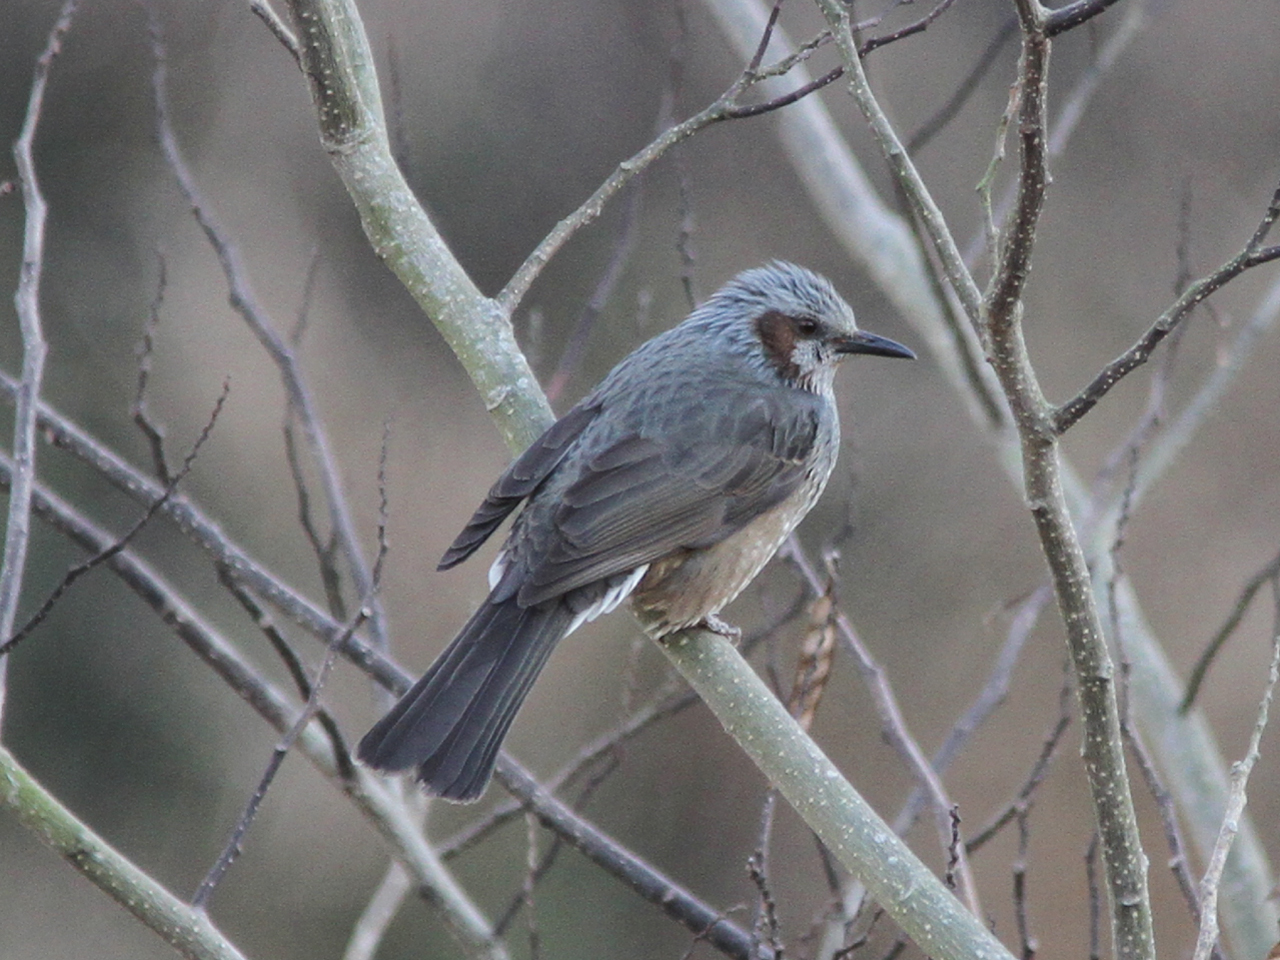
(723, 628)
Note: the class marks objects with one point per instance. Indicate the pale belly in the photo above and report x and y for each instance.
(691, 585)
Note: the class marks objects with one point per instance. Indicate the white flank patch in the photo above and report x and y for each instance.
(497, 568)
(612, 597)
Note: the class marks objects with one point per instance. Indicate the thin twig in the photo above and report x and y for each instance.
(651, 884)
(1178, 864)
(1074, 14)
(575, 347)
(325, 550)
(910, 30)
(660, 708)
(60, 432)
(1022, 800)
(366, 791)
(1236, 799)
(189, 931)
(310, 709)
(726, 107)
(304, 302)
(1074, 103)
(244, 301)
(151, 431)
(1266, 575)
(964, 90)
(892, 721)
(78, 571)
(26, 302)
(1020, 889)
(993, 694)
(765, 931)
(279, 29)
(679, 158)
(284, 650)
(1253, 254)
(368, 932)
(541, 867)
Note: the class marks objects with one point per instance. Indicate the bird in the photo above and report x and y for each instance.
(671, 485)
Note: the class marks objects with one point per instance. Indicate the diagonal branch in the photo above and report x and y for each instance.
(1254, 254)
(188, 930)
(366, 791)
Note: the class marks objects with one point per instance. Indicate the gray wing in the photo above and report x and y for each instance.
(648, 493)
(519, 480)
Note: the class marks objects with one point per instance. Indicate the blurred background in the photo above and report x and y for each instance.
(508, 115)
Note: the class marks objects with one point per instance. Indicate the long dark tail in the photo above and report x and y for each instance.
(451, 723)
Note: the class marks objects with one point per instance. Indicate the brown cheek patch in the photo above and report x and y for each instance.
(778, 337)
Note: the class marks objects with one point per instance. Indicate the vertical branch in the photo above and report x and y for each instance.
(1209, 886)
(1124, 862)
(26, 302)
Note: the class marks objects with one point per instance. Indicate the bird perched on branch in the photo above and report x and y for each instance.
(671, 484)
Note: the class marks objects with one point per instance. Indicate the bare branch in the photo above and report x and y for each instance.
(186, 929)
(1074, 14)
(648, 882)
(103, 556)
(1254, 254)
(310, 710)
(152, 431)
(921, 201)
(367, 934)
(26, 301)
(893, 723)
(244, 301)
(231, 851)
(1074, 103)
(1020, 890)
(1022, 801)
(660, 708)
(992, 695)
(964, 90)
(1266, 575)
(1169, 819)
(297, 673)
(1236, 800)
(571, 357)
(366, 790)
(263, 10)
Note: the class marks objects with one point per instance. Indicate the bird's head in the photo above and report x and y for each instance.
(793, 321)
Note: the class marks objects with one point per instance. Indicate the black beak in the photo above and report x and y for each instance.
(863, 342)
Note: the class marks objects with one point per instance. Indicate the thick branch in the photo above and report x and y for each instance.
(366, 790)
(339, 63)
(187, 930)
(864, 844)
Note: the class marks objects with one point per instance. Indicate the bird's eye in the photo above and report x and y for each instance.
(807, 326)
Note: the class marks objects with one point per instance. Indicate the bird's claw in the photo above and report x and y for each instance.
(723, 628)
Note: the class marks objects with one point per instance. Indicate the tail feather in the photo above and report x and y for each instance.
(453, 720)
